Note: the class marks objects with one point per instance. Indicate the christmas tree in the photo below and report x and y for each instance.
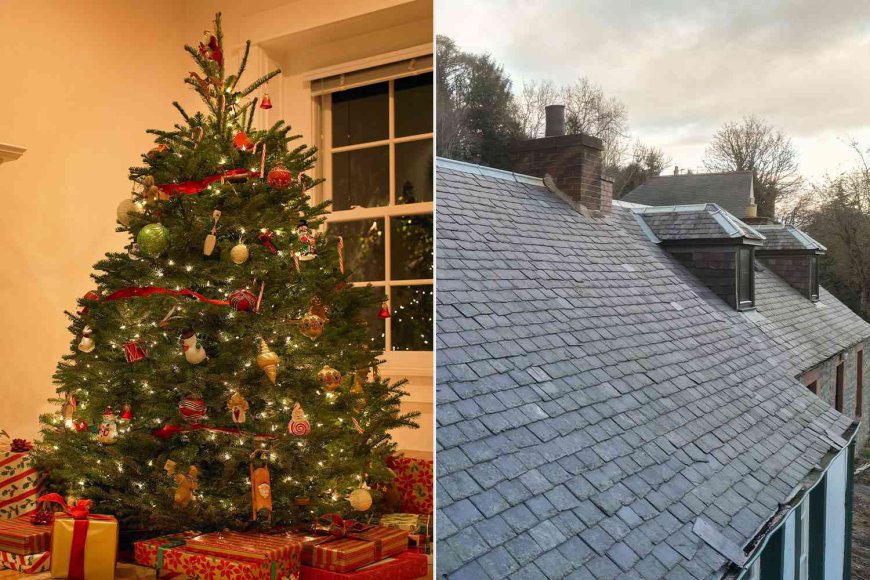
(220, 373)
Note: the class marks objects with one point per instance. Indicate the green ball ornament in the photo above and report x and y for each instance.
(153, 239)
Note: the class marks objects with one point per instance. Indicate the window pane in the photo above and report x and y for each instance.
(413, 105)
(411, 247)
(414, 171)
(412, 317)
(745, 276)
(364, 253)
(361, 115)
(361, 178)
(376, 325)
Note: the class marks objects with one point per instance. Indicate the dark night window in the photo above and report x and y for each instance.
(838, 395)
(745, 279)
(814, 277)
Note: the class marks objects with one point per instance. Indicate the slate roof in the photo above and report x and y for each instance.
(706, 221)
(787, 237)
(593, 402)
(731, 191)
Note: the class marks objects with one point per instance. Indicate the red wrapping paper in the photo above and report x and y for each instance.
(350, 553)
(408, 565)
(145, 551)
(20, 484)
(19, 536)
(26, 564)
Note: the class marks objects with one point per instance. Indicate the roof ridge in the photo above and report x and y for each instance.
(705, 173)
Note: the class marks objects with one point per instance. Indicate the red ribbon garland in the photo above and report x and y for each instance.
(194, 187)
(168, 431)
(141, 292)
(81, 513)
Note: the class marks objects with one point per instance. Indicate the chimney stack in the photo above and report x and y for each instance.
(573, 161)
(676, 169)
(555, 120)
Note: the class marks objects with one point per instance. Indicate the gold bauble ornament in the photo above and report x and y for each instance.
(360, 499)
(311, 325)
(268, 361)
(329, 378)
(239, 254)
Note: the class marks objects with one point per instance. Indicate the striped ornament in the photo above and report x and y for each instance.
(192, 409)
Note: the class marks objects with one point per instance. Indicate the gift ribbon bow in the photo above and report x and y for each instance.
(81, 513)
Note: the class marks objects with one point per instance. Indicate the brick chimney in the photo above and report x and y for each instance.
(573, 161)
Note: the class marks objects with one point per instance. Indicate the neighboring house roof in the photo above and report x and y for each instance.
(706, 221)
(731, 191)
(593, 401)
(787, 237)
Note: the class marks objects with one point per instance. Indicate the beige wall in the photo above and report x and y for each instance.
(81, 106)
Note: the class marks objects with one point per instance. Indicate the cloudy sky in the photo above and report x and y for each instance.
(683, 68)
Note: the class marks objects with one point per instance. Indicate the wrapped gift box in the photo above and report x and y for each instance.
(25, 563)
(352, 551)
(230, 555)
(405, 566)
(19, 536)
(419, 527)
(20, 484)
(93, 541)
(145, 551)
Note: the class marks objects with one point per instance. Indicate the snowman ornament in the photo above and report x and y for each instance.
(193, 351)
(107, 433)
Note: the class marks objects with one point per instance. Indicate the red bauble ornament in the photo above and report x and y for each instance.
(192, 409)
(242, 300)
(242, 143)
(134, 352)
(279, 177)
(93, 296)
(127, 413)
(384, 312)
(267, 102)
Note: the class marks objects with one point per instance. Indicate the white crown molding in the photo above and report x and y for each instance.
(10, 152)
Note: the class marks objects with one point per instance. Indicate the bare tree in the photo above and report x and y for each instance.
(587, 110)
(645, 161)
(754, 145)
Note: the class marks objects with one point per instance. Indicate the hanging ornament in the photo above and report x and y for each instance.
(68, 410)
(80, 426)
(261, 485)
(159, 149)
(153, 240)
(357, 426)
(266, 104)
(268, 361)
(86, 344)
(134, 352)
(193, 351)
(311, 325)
(265, 238)
(316, 307)
(329, 378)
(209, 47)
(341, 255)
(239, 254)
(93, 296)
(125, 208)
(359, 377)
(211, 238)
(107, 432)
(238, 408)
(299, 425)
(192, 409)
(242, 142)
(302, 501)
(242, 300)
(150, 192)
(360, 499)
(279, 177)
(127, 413)
(384, 312)
(307, 240)
(186, 484)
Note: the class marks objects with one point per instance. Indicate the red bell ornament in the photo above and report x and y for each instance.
(384, 312)
(242, 300)
(127, 413)
(266, 103)
(242, 142)
(279, 177)
(134, 352)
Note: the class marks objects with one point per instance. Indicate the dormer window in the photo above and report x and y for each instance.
(793, 256)
(745, 279)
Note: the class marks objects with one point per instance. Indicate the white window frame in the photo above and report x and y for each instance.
(755, 570)
(804, 523)
(322, 121)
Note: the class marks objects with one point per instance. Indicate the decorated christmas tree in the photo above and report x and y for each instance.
(220, 373)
